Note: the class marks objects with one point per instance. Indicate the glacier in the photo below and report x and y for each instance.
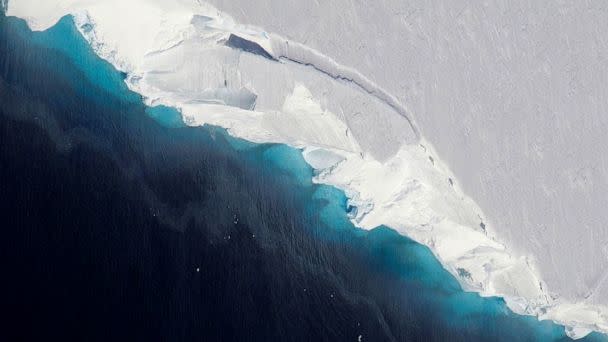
(265, 87)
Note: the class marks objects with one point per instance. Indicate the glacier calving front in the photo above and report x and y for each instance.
(357, 136)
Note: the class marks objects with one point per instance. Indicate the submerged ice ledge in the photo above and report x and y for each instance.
(264, 88)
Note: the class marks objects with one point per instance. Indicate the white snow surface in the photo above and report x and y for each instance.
(352, 125)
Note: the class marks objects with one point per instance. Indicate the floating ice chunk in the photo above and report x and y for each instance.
(321, 159)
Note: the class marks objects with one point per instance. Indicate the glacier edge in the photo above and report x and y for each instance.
(408, 189)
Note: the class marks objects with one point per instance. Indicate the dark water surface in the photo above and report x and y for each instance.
(119, 223)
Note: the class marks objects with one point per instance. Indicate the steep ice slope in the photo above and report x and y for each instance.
(358, 134)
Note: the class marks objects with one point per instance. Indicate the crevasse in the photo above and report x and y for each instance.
(357, 136)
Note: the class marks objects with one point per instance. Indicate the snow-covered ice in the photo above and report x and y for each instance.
(372, 91)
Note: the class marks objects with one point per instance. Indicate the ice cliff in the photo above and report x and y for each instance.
(264, 87)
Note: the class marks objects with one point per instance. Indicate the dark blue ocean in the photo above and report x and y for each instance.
(119, 223)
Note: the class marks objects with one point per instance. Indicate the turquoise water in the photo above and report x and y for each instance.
(65, 38)
(400, 277)
(166, 116)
